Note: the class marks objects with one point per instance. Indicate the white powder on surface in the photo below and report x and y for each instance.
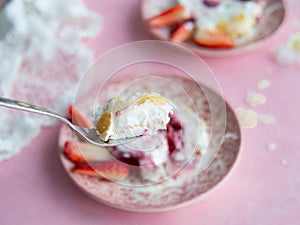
(266, 119)
(254, 99)
(41, 59)
(247, 117)
(272, 146)
(263, 84)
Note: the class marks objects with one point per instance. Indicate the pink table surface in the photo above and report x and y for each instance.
(34, 189)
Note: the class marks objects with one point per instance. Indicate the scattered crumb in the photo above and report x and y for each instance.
(272, 146)
(283, 162)
(289, 53)
(254, 99)
(266, 119)
(263, 84)
(248, 118)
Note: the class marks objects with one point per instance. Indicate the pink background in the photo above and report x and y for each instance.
(34, 189)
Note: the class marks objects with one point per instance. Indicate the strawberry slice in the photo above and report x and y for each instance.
(173, 15)
(81, 152)
(110, 170)
(78, 118)
(211, 39)
(183, 32)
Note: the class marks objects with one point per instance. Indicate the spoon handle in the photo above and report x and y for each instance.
(14, 104)
(88, 134)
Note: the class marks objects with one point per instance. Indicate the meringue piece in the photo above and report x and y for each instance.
(133, 115)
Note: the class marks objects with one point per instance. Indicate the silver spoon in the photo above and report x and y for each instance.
(89, 134)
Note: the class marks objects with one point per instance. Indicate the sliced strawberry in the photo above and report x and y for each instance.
(211, 39)
(77, 117)
(110, 170)
(183, 32)
(175, 14)
(81, 152)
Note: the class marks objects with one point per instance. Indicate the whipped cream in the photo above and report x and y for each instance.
(133, 115)
(233, 18)
(154, 147)
(156, 150)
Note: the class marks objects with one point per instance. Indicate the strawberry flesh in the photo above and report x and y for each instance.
(110, 170)
(212, 39)
(78, 118)
(183, 32)
(81, 152)
(72, 152)
(174, 15)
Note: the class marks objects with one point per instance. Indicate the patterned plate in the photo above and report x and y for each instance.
(191, 182)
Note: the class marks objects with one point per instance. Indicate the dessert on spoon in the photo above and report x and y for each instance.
(145, 116)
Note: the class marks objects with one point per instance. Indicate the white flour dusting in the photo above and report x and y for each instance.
(41, 59)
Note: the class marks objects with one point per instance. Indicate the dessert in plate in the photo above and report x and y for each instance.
(211, 23)
(152, 156)
(162, 170)
(214, 27)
